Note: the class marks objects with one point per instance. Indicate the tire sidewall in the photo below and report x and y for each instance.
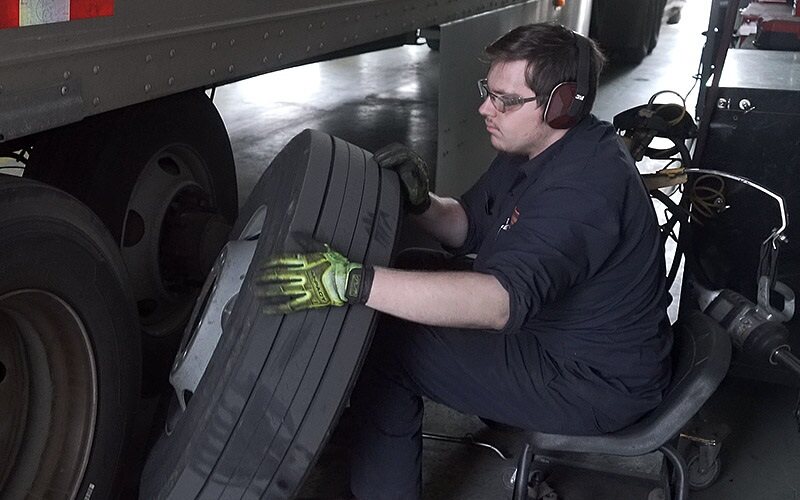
(69, 254)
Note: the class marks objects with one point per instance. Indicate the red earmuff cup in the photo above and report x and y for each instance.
(558, 107)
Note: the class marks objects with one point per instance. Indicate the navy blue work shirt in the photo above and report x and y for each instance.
(573, 237)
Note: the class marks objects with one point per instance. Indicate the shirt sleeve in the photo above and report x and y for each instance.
(562, 236)
(478, 204)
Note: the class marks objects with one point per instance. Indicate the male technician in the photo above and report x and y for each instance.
(560, 326)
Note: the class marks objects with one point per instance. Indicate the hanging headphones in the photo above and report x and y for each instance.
(565, 106)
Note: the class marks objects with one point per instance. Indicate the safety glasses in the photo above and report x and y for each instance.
(502, 102)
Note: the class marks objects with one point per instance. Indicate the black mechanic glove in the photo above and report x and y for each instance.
(413, 173)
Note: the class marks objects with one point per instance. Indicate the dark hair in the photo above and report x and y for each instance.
(551, 52)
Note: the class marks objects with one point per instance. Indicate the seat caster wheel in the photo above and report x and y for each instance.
(508, 477)
(702, 477)
(538, 489)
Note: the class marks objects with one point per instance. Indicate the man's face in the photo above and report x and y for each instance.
(521, 130)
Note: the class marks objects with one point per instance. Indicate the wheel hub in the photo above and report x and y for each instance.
(171, 235)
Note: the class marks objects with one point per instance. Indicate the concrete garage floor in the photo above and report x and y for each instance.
(389, 96)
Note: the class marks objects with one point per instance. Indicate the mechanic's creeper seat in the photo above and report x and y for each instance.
(701, 354)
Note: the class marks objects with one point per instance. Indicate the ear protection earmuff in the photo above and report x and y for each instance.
(565, 105)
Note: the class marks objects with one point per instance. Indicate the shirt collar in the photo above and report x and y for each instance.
(531, 168)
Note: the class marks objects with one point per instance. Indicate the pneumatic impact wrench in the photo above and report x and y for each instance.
(752, 330)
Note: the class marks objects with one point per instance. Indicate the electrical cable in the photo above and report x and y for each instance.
(768, 262)
(674, 121)
(696, 77)
(708, 201)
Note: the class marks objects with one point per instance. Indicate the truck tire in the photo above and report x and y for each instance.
(627, 30)
(275, 385)
(69, 348)
(160, 175)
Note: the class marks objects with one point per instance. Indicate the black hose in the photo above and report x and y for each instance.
(680, 483)
(523, 473)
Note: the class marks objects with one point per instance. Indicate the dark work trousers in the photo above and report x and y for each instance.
(500, 377)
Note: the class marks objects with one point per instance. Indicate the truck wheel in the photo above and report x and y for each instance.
(275, 385)
(627, 30)
(69, 347)
(160, 175)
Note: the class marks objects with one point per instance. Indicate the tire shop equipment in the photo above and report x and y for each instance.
(69, 348)
(274, 387)
(166, 192)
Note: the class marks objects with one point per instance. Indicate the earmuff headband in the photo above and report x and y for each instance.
(584, 51)
(566, 101)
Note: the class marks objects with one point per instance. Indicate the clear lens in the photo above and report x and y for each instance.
(500, 103)
(497, 100)
(510, 102)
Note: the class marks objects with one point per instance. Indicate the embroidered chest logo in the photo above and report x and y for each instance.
(511, 220)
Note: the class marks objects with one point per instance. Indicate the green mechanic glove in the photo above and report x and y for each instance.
(413, 173)
(299, 281)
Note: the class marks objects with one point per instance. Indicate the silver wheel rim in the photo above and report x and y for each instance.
(173, 183)
(215, 299)
(48, 371)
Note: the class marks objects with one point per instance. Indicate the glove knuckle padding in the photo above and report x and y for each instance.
(394, 156)
(308, 280)
(414, 184)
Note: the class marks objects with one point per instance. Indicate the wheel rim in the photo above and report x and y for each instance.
(48, 370)
(215, 301)
(171, 234)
